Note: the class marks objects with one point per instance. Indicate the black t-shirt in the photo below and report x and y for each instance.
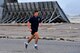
(34, 22)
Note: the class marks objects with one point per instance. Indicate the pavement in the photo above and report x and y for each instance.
(45, 46)
(62, 31)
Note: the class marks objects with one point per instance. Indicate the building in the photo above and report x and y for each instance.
(49, 11)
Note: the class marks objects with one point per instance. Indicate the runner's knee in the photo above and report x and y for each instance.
(36, 35)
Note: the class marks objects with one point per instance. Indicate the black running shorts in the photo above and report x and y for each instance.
(33, 31)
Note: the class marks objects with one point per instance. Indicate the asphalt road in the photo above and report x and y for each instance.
(45, 46)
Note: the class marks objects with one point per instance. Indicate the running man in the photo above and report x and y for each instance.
(33, 25)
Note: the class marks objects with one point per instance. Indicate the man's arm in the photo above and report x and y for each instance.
(40, 22)
(29, 25)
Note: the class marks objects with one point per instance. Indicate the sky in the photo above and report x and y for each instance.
(70, 7)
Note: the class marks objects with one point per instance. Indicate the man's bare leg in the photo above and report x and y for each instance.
(31, 38)
(36, 39)
(26, 43)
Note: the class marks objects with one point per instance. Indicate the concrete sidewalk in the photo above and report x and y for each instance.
(57, 31)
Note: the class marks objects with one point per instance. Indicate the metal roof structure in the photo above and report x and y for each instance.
(49, 11)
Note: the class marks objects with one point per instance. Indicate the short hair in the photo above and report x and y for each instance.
(35, 11)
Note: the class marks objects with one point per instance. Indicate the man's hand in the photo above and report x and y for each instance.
(40, 24)
(30, 30)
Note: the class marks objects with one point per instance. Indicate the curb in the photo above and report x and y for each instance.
(25, 24)
(42, 38)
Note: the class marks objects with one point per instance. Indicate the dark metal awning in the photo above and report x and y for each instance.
(49, 11)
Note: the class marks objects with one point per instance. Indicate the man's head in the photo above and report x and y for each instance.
(36, 13)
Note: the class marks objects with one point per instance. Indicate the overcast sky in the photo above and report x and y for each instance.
(70, 7)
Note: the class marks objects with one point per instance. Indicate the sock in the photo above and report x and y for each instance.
(26, 43)
(35, 45)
